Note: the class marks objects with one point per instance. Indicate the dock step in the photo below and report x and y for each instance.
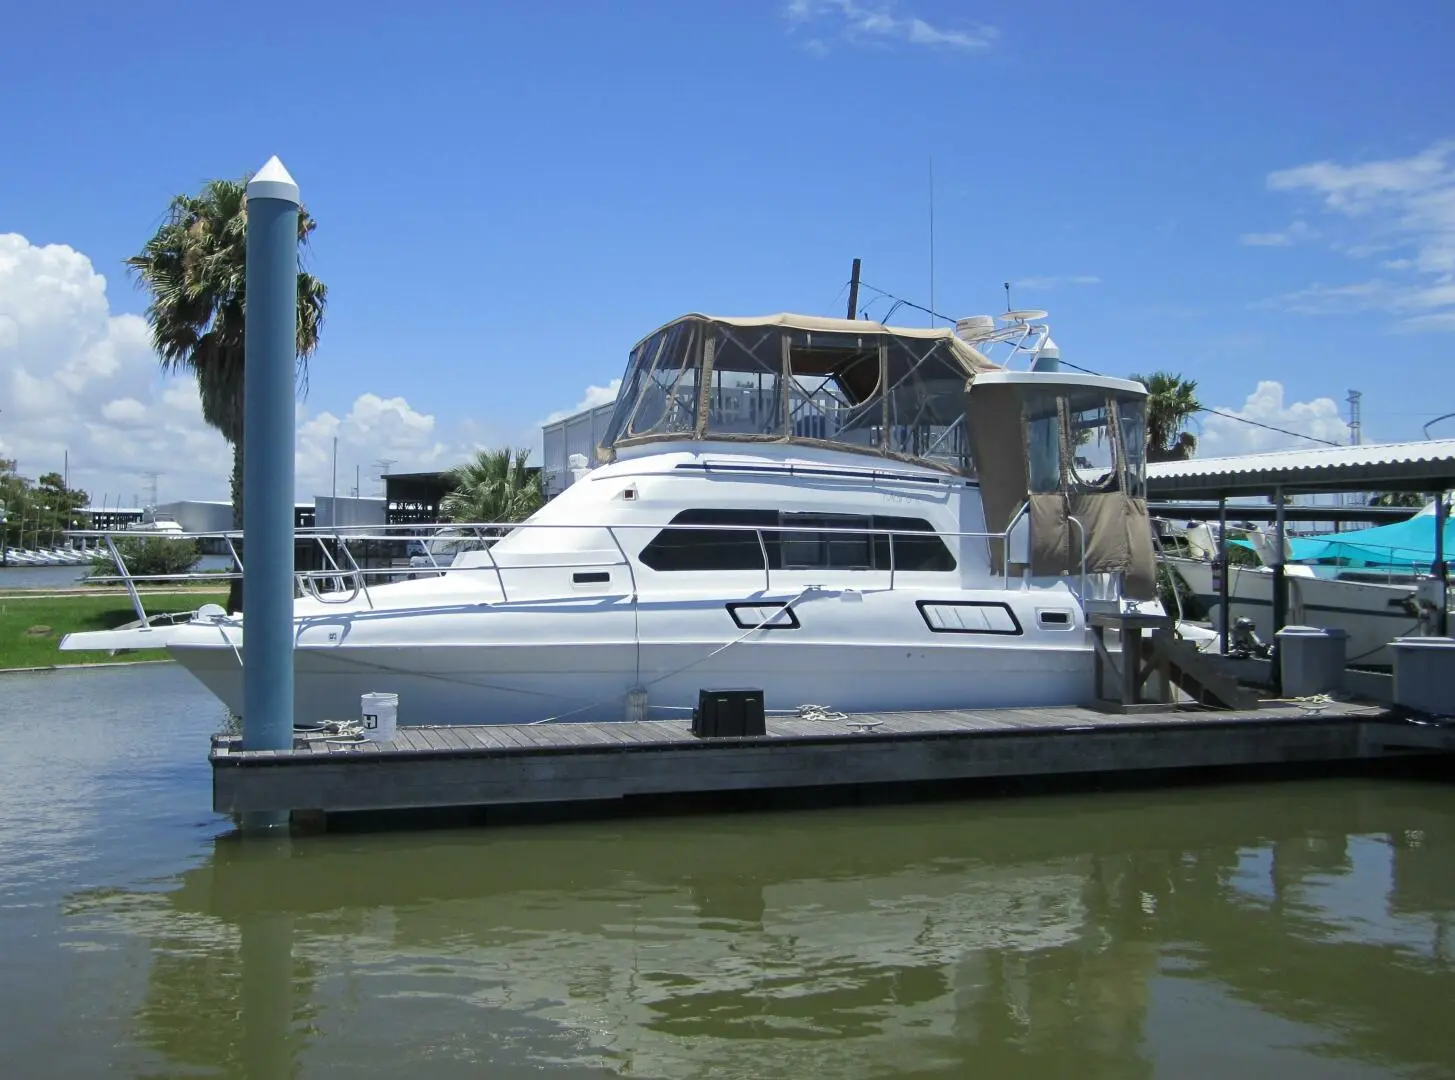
(1205, 677)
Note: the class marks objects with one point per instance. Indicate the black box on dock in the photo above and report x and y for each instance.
(728, 713)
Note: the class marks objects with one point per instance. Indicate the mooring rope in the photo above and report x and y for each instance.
(332, 731)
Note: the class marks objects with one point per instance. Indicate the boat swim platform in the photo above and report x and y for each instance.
(499, 765)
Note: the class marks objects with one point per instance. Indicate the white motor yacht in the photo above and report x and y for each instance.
(836, 512)
(164, 525)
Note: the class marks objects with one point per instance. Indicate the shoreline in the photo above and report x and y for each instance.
(33, 624)
(83, 666)
(40, 593)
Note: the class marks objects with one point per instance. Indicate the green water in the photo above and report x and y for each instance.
(1291, 930)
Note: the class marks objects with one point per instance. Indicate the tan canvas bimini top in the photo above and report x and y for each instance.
(850, 384)
(972, 358)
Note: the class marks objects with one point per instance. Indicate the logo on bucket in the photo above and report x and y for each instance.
(371, 721)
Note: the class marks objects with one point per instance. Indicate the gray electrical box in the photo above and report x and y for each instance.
(1424, 674)
(1311, 660)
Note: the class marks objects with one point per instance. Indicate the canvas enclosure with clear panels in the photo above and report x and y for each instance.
(841, 383)
(1069, 452)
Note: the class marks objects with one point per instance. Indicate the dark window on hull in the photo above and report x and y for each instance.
(804, 547)
(713, 549)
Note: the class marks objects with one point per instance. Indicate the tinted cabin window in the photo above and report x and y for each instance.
(836, 550)
(802, 546)
(713, 549)
(926, 552)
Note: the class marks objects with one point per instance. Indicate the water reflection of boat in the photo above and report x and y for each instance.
(887, 942)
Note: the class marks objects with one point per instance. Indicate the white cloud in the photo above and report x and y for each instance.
(594, 396)
(1056, 280)
(76, 378)
(1415, 324)
(1419, 307)
(864, 23)
(125, 411)
(1223, 435)
(374, 431)
(1296, 233)
(1378, 207)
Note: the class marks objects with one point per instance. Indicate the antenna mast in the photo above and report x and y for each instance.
(1356, 421)
(932, 237)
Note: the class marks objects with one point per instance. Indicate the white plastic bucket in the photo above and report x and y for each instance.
(380, 715)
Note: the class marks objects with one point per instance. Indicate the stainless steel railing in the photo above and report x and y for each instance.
(351, 580)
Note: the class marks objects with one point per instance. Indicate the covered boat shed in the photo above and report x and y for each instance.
(1427, 467)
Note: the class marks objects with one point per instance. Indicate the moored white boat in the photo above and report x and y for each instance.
(1370, 613)
(819, 508)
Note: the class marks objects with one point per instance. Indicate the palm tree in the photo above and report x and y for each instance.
(195, 268)
(1171, 402)
(1411, 499)
(493, 486)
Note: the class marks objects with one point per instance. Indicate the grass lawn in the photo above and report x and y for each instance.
(55, 616)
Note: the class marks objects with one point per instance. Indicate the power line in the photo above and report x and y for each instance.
(899, 301)
(1266, 427)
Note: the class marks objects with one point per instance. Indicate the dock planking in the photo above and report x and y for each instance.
(493, 765)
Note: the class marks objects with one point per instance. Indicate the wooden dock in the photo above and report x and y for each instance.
(508, 765)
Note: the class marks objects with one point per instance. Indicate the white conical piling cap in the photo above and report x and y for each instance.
(273, 182)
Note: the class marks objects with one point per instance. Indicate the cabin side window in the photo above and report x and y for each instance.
(709, 548)
(803, 544)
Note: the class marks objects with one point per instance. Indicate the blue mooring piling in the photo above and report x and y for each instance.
(270, 357)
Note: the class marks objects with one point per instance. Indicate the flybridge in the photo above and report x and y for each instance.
(838, 383)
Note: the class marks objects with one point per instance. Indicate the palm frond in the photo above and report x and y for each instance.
(195, 269)
(493, 486)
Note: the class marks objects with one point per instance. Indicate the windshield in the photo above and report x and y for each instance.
(878, 390)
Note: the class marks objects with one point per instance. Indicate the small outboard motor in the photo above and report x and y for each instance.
(1245, 643)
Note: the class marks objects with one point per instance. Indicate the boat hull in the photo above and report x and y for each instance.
(538, 662)
(1372, 615)
(529, 684)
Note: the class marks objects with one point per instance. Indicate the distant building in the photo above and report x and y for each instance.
(112, 518)
(348, 512)
(579, 434)
(199, 515)
(414, 498)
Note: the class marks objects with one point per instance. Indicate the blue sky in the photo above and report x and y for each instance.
(509, 195)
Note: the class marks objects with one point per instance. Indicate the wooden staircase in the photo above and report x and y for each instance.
(1205, 677)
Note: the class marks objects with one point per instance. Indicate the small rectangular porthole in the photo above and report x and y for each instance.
(968, 617)
(1055, 619)
(590, 577)
(763, 616)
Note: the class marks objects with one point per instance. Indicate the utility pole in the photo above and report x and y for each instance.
(383, 466)
(1356, 437)
(854, 291)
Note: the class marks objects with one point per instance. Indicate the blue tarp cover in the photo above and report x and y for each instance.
(1403, 545)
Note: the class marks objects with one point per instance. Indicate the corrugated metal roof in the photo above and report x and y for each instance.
(1410, 466)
